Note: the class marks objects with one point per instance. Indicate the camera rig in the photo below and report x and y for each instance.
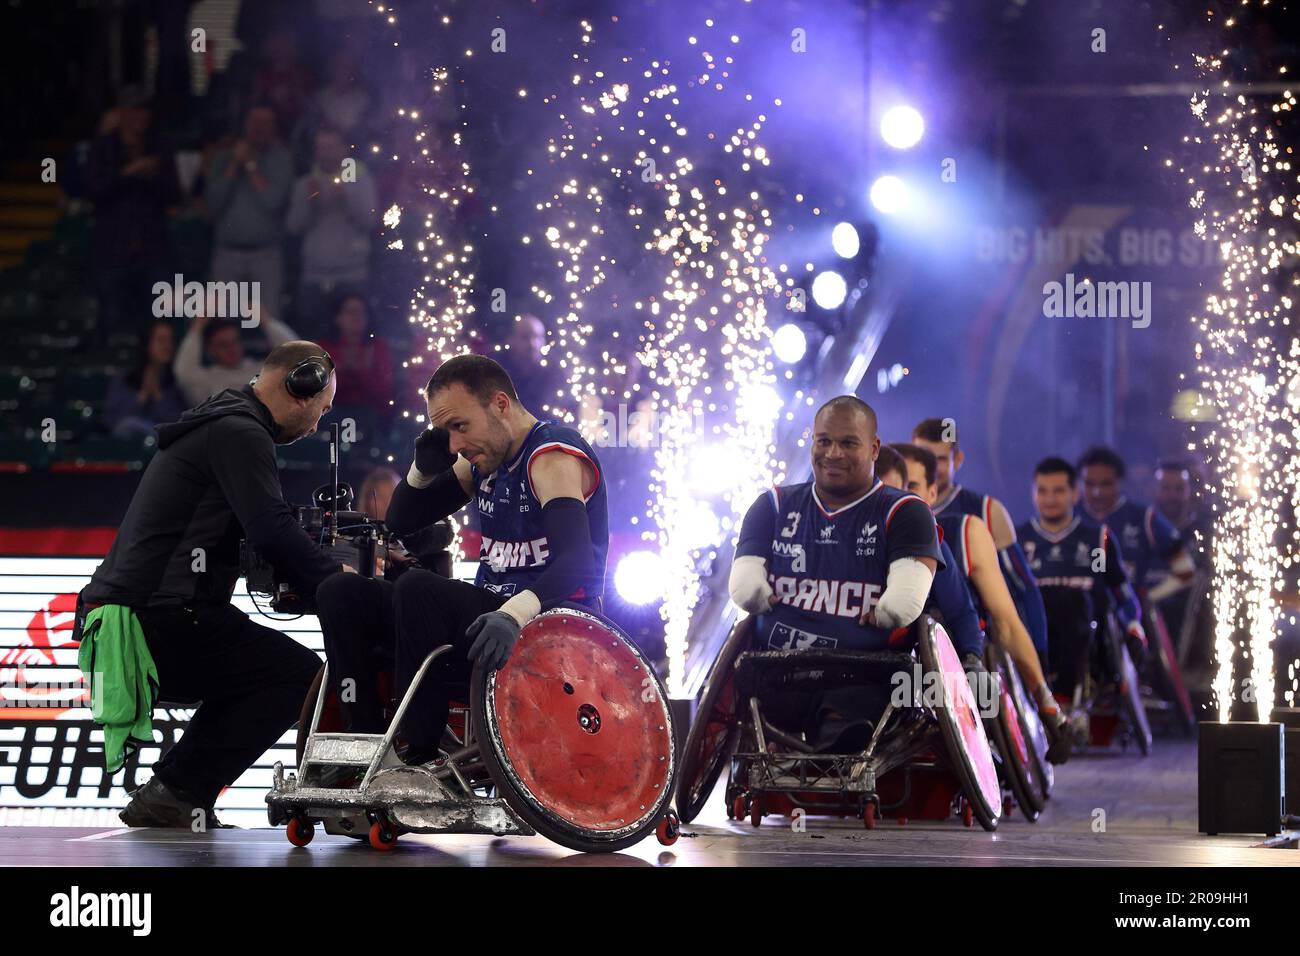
(350, 537)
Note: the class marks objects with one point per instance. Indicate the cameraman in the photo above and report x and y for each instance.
(167, 583)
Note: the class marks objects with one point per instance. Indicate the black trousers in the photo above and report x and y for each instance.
(362, 619)
(249, 682)
(356, 620)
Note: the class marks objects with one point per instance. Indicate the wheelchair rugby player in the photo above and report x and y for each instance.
(562, 735)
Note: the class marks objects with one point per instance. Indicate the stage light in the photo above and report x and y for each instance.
(702, 529)
(639, 577)
(902, 127)
(844, 240)
(712, 469)
(829, 290)
(789, 343)
(760, 402)
(888, 194)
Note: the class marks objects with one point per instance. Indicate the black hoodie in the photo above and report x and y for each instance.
(213, 481)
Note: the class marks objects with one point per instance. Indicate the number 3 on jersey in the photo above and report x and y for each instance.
(789, 530)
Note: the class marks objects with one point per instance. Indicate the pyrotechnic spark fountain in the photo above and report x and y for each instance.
(1255, 438)
(628, 168)
(440, 304)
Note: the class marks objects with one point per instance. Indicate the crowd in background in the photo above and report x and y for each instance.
(274, 161)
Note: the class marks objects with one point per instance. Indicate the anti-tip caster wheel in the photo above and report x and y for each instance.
(381, 837)
(300, 831)
(669, 829)
(869, 816)
(738, 809)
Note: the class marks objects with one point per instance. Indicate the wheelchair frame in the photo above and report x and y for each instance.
(474, 788)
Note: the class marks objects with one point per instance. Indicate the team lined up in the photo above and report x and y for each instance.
(882, 533)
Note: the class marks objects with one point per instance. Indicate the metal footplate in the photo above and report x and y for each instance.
(412, 798)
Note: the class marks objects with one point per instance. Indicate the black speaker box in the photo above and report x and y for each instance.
(1240, 774)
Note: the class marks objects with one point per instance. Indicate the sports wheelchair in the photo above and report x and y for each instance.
(1092, 672)
(1163, 673)
(1019, 738)
(923, 758)
(572, 739)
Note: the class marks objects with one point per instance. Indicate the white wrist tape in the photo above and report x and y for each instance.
(906, 589)
(416, 479)
(523, 607)
(748, 584)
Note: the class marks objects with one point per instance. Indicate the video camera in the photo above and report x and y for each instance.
(348, 536)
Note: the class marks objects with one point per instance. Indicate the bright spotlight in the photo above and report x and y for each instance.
(702, 529)
(902, 127)
(888, 194)
(639, 577)
(829, 290)
(789, 343)
(712, 469)
(844, 240)
(759, 402)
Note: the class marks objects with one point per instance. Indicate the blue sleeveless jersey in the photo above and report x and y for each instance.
(514, 552)
(963, 501)
(954, 599)
(1146, 539)
(1064, 558)
(954, 526)
(1067, 558)
(828, 566)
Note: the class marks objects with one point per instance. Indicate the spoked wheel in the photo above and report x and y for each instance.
(969, 754)
(716, 730)
(576, 732)
(1168, 675)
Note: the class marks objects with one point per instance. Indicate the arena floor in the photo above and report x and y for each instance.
(1150, 817)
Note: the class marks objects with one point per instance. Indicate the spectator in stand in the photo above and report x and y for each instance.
(147, 395)
(343, 103)
(520, 354)
(362, 359)
(220, 340)
(282, 82)
(247, 189)
(334, 217)
(131, 179)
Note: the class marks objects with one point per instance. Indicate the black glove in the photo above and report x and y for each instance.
(494, 635)
(433, 452)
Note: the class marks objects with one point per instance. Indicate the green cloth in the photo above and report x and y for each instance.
(123, 680)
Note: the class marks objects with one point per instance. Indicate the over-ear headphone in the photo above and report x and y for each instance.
(310, 377)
